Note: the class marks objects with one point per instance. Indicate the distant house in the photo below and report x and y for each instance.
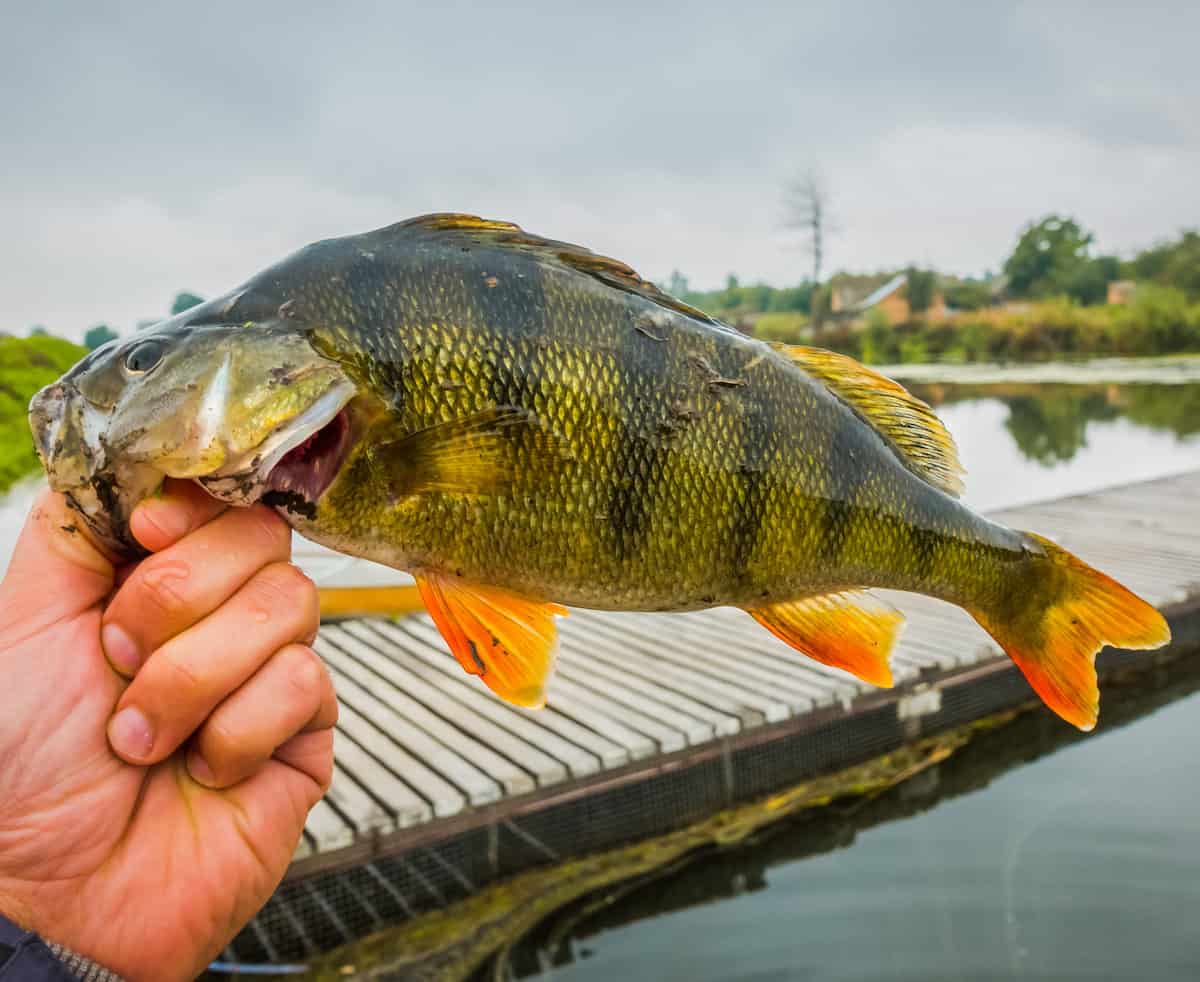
(890, 298)
(1120, 292)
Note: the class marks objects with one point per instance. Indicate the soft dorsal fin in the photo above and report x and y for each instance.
(903, 420)
(610, 271)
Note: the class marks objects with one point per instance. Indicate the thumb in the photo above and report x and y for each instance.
(56, 571)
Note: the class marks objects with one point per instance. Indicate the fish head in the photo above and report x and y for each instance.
(243, 409)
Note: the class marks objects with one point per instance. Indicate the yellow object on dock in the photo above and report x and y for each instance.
(340, 602)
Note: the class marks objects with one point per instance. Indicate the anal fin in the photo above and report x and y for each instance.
(506, 639)
(853, 631)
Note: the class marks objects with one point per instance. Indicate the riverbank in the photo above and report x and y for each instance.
(1167, 370)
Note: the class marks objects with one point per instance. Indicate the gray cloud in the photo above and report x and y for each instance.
(150, 148)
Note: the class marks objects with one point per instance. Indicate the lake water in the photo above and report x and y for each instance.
(1084, 864)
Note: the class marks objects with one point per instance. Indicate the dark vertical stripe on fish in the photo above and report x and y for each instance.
(845, 472)
(923, 544)
(755, 438)
(510, 302)
(640, 361)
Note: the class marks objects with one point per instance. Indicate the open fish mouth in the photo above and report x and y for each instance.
(296, 463)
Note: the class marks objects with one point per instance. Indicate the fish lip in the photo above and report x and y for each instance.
(247, 479)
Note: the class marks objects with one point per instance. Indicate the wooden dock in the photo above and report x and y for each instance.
(425, 752)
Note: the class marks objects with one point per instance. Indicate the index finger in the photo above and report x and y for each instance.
(182, 507)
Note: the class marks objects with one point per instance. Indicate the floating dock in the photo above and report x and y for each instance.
(653, 720)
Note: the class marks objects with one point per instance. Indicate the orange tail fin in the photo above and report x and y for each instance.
(1073, 611)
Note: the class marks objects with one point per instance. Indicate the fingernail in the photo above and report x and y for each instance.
(199, 769)
(120, 649)
(130, 733)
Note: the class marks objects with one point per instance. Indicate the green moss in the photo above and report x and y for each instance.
(26, 364)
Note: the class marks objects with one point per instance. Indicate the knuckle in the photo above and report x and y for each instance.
(179, 677)
(161, 585)
(271, 529)
(283, 587)
(305, 670)
(221, 743)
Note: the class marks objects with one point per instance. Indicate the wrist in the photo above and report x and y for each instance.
(26, 954)
(14, 910)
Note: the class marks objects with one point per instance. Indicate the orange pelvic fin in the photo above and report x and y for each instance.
(852, 630)
(1075, 610)
(506, 639)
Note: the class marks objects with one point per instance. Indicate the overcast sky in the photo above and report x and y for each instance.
(156, 147)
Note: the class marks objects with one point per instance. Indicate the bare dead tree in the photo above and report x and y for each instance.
(808, 213)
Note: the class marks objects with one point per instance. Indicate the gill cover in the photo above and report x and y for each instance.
(182, 399)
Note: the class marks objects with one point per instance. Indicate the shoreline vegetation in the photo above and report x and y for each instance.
(1158, 321)
(26, 364)
(1054, 299)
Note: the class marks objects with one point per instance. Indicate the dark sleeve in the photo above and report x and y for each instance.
(24, 957)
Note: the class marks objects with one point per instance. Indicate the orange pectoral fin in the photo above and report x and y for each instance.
(852, 631)
(507, 640)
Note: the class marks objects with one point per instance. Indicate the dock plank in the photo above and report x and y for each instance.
(395, 664)
(676, 634)
(640, 734)
(623, 690)
(391, 760)
(661, 655)
(581, 749)
(471, 765)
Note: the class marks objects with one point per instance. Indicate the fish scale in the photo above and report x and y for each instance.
(681, 491)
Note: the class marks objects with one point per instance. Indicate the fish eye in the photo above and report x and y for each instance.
(145, 356)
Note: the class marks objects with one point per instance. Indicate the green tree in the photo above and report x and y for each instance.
(792, 298)
(1048, 256)
(1089, 282)
(677, 284)
(38, 331)
(921, 286)
(185, 301)
(757, 297)
(968, 295)
(98, 335)
(1174, 264)
(731, 296)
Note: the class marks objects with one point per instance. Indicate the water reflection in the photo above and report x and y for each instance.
(777, 921)
(1050, 422)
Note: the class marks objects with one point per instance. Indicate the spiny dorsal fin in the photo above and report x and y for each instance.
(457, 220)
(907, 423)
(610, 271)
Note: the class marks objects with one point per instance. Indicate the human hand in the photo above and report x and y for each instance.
(151, 800)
